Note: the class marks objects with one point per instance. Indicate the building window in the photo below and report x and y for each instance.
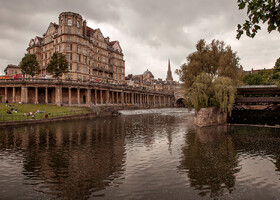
(68, 38)
(69, 22)
(46, 55)
(69, 30)
(78, 24)
(69, 47)
(85, 59)
(79, 58)
(85, 70)
(69, 56)
(70, 66)
(56, 49)
(78, 67)
(85, 51)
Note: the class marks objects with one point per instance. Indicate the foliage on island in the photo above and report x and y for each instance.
(29, 65)
(264, 77)
(58, 65)
(210, 76)
(259, 12)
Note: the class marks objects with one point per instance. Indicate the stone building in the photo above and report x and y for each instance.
(145, 80)
(148, 81)
(91, 56)
(11, 70)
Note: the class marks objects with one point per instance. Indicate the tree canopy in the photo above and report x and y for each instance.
(276, 70)
(253, 79)
(259, 11)
(58, 65)
(29, 65)
(210, 76)
(215, 59)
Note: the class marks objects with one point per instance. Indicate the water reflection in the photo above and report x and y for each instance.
(210, 161)
(71, 160)
(255, 141)
(144, 156)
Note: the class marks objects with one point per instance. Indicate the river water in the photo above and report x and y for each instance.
(151, 154)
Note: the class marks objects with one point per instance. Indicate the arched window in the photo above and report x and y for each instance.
(69, 22)
(78, 24)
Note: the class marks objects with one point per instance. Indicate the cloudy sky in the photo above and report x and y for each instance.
(149, 31)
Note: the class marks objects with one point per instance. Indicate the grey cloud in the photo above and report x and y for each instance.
(149, 31)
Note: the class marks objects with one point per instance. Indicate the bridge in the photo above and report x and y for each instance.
(258, 104)
(76, 93)
(179, 96)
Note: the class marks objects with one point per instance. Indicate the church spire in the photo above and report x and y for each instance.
(169, 73)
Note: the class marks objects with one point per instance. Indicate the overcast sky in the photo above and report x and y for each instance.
(149, 31)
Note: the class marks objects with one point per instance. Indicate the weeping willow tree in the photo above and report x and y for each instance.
(210, 76)
(224, 93)
(200, 93)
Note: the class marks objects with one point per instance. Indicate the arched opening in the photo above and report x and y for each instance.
(180, 103)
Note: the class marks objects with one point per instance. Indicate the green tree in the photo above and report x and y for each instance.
(210, 76)
(224, 93)
(58, 65)
(253, 79)
(215, 59)
(259, 11)
(276, 70)
(29, 65)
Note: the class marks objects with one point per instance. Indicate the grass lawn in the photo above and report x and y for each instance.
(51, 110)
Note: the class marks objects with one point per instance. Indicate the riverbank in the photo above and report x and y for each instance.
(15, 113)
(55, 113)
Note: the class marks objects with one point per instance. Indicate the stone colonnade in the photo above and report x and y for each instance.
(70, 95)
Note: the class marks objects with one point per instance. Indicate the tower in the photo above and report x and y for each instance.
(169, 73)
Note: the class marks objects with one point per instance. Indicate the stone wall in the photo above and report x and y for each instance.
(209, 117)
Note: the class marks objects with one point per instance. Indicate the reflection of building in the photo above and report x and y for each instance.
(69, 160)
(11, 70)
(90, 54)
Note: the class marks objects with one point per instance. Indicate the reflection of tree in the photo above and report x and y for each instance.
(257, 141)
(211, 163)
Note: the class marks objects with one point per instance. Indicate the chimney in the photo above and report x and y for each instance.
(84, 28)
(107, 39)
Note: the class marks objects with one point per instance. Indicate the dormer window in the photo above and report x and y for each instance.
(69, 22)
(78, 24)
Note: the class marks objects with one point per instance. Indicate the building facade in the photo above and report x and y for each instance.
(91, 56)
(148, 81)
(11, 70)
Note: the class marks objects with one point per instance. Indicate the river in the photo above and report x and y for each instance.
(144, 154)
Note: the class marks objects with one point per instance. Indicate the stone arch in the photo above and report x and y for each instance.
(180, 103)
